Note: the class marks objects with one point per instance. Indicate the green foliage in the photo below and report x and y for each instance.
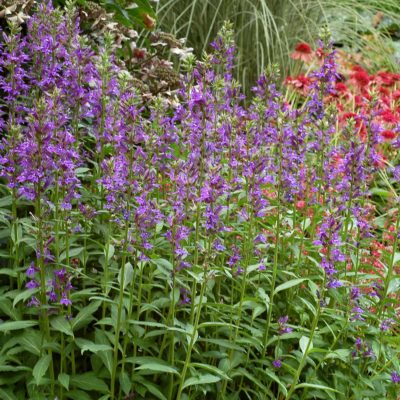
(140, 326)
(266, 31)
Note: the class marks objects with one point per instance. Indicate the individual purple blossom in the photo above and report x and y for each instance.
(387, 324)
(235, 257)
(357, 314)
(33, 302)
(395, 377)
(277, 363)
(218, 245)
(185, 296)
(355, 293)
(31, 270)
(282, 325)
(32, 284)
(65, 301)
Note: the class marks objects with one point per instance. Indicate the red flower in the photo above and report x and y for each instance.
(139, 53)
(385, 78)
(360, 77)
(396, 95)
(384, 91)
(341, 90)
(380, 162)
(300, 204)
(341, 87)
(302, 52)
(388, 135)
(388, 116)
(320, 53)
(301, 83)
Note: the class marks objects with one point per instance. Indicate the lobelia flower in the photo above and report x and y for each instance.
(387, 324)
(395, 377)
(277, 363)
(282, 327)
(328, 238)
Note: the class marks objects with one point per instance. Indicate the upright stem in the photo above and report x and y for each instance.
(303, 359)
(44, 318)
(193, 336)
(389, 273)
(276, 255)
(119, 313)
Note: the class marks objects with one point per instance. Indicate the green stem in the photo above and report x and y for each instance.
(119, 314)
(276, 257)
(44, 318)
(193, 337)
(389, 273)
(106, 272)
(304, 358)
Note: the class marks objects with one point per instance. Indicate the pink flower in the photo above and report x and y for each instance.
(302, 52)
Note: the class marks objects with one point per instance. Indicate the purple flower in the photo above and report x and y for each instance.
(277, 363)
(65, 301)
(31, 270)
(387, 324)
(32, 284)
(395, 377)
(33, 302)
(282, 327)
(355, 293)
(357, 314)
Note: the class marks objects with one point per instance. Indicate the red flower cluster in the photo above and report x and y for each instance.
(357, 94)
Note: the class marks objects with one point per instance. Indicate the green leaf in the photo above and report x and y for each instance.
(151, 387)
(163, 265)
(380, 192)
(125, 382)
(40, 368)
(87, 345)
(7, 394)
(105, 356)
(15, 325)
(8, 271)
(78, 395)
(24, 295)
(5, 201)
(342, 354)
(128, 275)
(314, 386)
(277, 380)
(31, 341)
(201, 380)
(133, 15)
(111, 251)
(89, 381)
(16, 233)
(303, 342)
(74, 252)
(156, 367)
(85, 316)
(289, 284)
(64, 380)
(61, 324)
(211, 368)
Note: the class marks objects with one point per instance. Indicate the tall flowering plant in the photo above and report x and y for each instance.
(208, 247)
